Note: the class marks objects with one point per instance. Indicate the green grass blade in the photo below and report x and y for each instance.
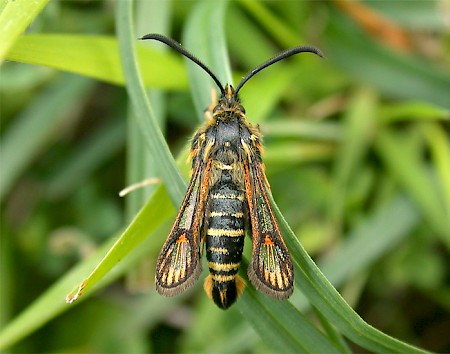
(334, 335)
(282, 326)
(51, 303)
(147, 220)
(15, 17)
(170, 174)
(97, 57)
(151, 17)
(325, 298)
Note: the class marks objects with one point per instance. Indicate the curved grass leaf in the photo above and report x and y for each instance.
(51, 303)
(325, 298)
(171, 176)
(97, 57)
(151, 17)
(282, 326)
(148, 219)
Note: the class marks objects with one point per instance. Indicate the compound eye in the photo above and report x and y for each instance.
(217, 108)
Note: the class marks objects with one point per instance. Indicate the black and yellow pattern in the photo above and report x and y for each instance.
(226, 197)
(224, 241)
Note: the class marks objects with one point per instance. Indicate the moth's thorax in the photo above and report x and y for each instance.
(227, 137)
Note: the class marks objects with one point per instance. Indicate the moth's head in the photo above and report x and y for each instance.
(228, 105)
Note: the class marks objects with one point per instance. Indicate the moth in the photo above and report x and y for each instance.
(227, 195)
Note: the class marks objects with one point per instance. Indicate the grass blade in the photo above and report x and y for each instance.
(15, 17)
(170, 174)
(325, 298)
(51, 303)
(96, 57)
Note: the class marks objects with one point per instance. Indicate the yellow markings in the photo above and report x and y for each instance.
(207, 150)
(224, 196)
(218, 250)
(223, 297)
(178, 261)
(223, 267)
(222, 278)
(221, 213)
(208, 286)
(275, 272)
(247, 150)
(240, 285)
(223, 166)
(224, 232)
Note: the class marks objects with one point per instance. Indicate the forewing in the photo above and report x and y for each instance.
(270, 270)
(178, 265)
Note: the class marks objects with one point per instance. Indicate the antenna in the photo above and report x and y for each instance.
(175, 45)
(285, 54)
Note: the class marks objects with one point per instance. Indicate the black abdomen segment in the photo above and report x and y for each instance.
(224, 243)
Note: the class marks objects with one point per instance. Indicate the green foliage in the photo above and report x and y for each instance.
(358, 157)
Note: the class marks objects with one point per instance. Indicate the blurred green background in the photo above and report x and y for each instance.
(357, 154)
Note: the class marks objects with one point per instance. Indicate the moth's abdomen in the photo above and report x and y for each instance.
(224, 244)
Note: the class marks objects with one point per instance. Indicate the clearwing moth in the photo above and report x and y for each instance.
(227, 195)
